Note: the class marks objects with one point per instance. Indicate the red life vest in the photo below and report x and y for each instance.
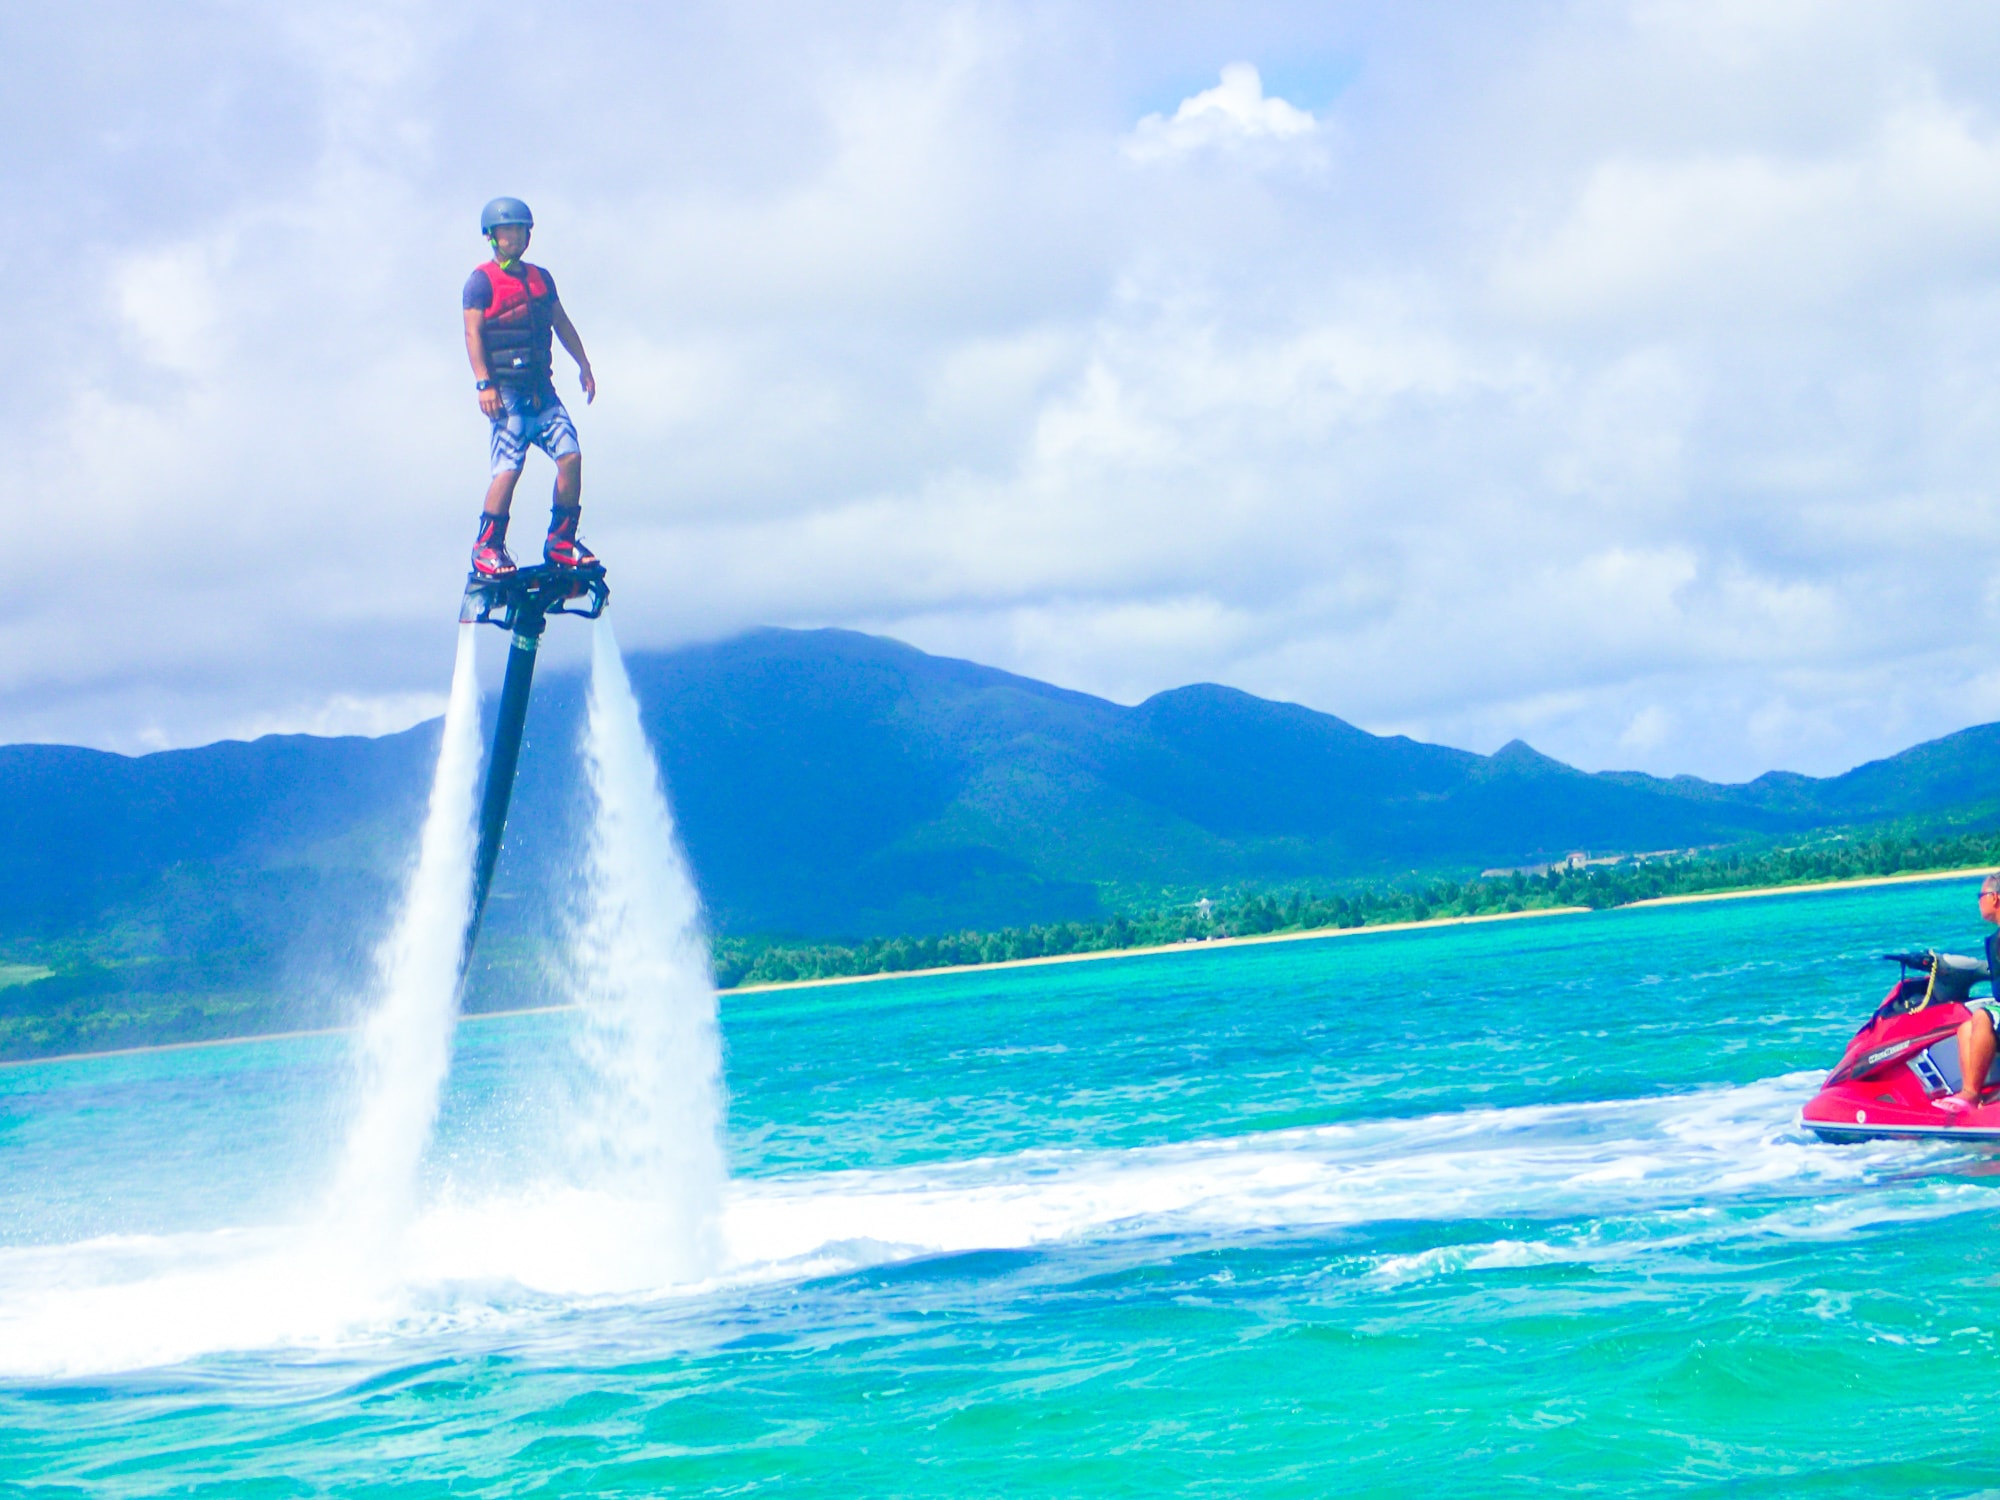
(519, 325)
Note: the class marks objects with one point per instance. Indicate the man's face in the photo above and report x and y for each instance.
(510, 242)
(1989, 906)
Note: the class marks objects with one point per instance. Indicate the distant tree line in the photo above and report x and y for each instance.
(1245, 913)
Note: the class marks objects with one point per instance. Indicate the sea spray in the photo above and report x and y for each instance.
(649, 1116)
(635, 1204)
(404, 1046)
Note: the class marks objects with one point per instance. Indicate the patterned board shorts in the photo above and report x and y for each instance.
(530, 417)
(1992, 1009)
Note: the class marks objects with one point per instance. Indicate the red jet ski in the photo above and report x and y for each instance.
(1898, 1068)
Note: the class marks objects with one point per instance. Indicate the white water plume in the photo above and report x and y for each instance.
(648, 1126)
(403, 1049)
(639, 1210)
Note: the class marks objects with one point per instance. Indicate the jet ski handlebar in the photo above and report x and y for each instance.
(1930, 961)
(522, 600)
(1920, 960)
(1952, 976)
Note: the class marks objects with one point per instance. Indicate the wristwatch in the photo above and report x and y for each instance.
(482, 385)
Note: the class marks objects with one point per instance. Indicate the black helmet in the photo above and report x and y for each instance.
(505, 211)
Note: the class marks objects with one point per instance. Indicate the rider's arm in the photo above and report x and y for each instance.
(475, 350)
(573, 341)
(475, 342)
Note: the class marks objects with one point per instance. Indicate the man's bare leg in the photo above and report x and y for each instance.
(562, 547)
(500, 493)
(1975, 1054)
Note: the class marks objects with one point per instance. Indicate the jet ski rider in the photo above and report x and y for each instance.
(511, 310)
(1976, 1040)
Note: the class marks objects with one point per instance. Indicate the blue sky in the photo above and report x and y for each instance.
(1623, 377)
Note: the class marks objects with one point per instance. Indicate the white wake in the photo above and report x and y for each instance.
(1615, 1177)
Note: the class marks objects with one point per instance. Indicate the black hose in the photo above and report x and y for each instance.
(500, 768)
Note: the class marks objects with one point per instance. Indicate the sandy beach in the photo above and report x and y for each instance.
(1317, 933)
(1816, 885)
(1192, 945)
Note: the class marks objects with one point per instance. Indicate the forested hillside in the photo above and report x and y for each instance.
(833, 788)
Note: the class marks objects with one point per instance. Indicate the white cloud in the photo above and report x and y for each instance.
(345, 714)
(1617, 376)
(1236, 112)
(1757, 232)
(168, 301)
(1649, 728)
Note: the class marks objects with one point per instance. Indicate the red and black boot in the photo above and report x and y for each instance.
(562, 548)
(489, 553)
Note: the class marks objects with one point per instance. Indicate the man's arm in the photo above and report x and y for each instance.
(573, 341)
(475, 350)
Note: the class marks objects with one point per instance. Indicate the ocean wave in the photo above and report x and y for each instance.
(1710, 1163)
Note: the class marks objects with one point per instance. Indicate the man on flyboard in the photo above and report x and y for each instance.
(511, 313)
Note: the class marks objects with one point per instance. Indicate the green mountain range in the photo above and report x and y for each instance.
(828, 784)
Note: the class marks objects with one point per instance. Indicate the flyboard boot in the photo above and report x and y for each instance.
(489, 553)
(562, 549)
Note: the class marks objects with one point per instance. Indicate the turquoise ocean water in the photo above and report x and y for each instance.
(1516, 1208)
